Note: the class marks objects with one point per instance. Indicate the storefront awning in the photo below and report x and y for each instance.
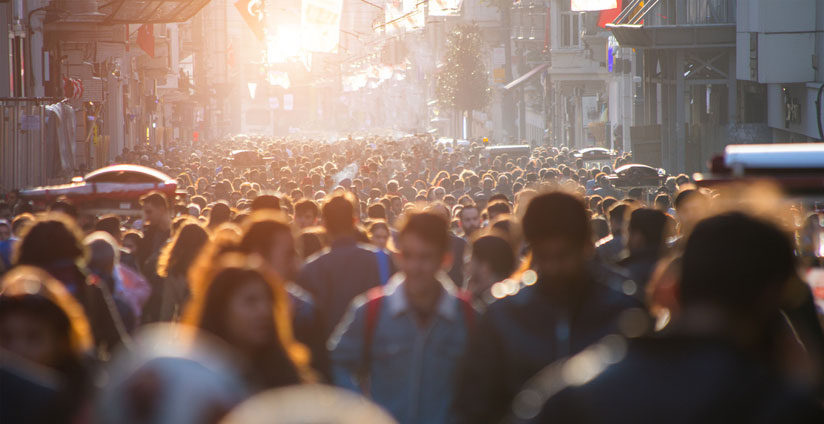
(526, 77)
(151, 11)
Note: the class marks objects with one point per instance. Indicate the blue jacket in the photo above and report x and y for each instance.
(519, 335)
(412, 369)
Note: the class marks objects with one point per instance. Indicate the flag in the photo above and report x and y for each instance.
(252, 13)
(145, 39)
(320, 25)
(608, 15)
(590, 5)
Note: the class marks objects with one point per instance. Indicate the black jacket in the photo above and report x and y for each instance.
(519, 335)
(679, 379)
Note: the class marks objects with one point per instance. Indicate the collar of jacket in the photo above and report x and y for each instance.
(397, 303)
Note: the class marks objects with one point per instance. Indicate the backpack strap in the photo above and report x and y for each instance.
(374, 297)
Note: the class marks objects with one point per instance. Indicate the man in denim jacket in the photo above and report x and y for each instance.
(400, 344)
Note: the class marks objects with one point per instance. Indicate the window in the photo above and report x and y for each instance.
(570, 26)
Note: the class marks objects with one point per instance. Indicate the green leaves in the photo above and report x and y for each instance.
(463, 83)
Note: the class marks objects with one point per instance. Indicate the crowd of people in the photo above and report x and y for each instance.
(439, 282)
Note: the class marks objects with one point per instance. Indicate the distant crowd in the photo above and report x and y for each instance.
(441, 283)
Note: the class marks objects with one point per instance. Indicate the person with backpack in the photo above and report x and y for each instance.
(401, 343)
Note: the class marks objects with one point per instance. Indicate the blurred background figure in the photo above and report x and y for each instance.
(45, 375)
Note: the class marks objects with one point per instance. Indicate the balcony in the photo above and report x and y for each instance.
(668, 24)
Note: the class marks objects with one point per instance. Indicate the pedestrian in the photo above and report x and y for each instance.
(401, 344)
(173, 266)
(241, 303)
(566, 302)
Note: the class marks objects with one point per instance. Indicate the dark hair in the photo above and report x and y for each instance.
(155, 199)
(307, 205)
(496, 252)
(498, 207)
(266, 201)
(64, 206)
(650, 224)
(260, 232)
(282, 361)
(181, 252)
(338, 214)
(683, 195)
(109, 224)
(732, 259)
(53, 237)
(220, 213)
(311, 241)
(430, 227)
(376, 210)
(498, 196)
(557, 215)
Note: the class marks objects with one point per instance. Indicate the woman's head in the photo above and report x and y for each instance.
(240, 301)
(178, 255)
(39, 320)
(53, 237)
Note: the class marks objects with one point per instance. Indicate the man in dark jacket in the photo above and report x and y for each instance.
(564, 304)
(719, 361)
(336, 275)
(156, 232)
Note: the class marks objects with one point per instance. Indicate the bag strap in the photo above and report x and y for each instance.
(373, 307)
(383, 266)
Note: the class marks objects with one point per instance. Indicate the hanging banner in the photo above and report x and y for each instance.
(145, 39)
(608, 15)
(320, 25)
(445, 7)
(590, 5)
(252, 13)
(406, 15)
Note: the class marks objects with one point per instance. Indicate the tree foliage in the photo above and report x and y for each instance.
(463, 83)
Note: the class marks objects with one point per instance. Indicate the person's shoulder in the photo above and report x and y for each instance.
(509, 296)
(316, 258)
(615, 285)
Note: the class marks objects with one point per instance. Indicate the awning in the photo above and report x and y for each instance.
(151, 11)
(526, 77)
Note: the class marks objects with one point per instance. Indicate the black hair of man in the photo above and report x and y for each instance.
(430, 227)
(496, 208)
(109, 224)
(557, 215)
(616, 215)
(307, 205)
(339, 214)
(266, 201)
(155, 199)
(650, 224)
(376, 211)
(732, 260)
(495, 251)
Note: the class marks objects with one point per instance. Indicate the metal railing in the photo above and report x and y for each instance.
(677, 12)
(23, 142)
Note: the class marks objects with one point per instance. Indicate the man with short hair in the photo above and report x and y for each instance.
(306, 213)
(336, 275)
(470, 219)
(157, 224)
(563, 304)
(717, 361)
(401, 344)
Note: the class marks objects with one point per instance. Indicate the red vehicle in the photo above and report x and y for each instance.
(113, 189)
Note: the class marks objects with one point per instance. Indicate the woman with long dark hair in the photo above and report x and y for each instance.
(241, 302)
(174, 263)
